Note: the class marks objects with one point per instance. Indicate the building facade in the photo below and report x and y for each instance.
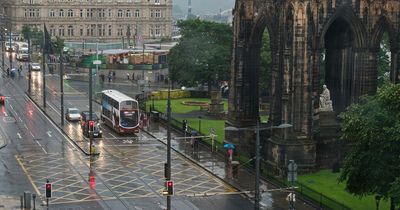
(106, 20)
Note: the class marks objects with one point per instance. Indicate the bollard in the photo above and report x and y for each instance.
(34, 201)
(27, 200)
(22, 201)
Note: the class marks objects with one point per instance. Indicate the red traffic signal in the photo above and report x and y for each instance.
(92, 182)
(170, 187)
(91, 125)
(48, 190)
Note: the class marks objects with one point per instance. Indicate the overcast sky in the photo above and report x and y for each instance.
(205, 6)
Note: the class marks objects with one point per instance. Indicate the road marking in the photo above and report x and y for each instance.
(49, 133)
(87, 106)
(20, 119)
(127, 141)
(41, 146)
(5, 114)
(11, 106)
(26, 126)
(54, 109)
(29, 178)
(19, 135)
(112, 135)
(31, 134)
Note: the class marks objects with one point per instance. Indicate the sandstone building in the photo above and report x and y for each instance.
(106, 20)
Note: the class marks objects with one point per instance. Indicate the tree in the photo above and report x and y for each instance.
(203, 53)
(373, 165)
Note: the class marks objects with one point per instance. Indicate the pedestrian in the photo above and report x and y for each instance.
(109, 78)
(133, 76)
(127, 75)
(113, 74)
(8, 72)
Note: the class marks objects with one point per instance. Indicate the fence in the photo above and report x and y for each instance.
(312, 197)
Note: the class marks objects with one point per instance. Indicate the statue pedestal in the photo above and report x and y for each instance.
(216, 106)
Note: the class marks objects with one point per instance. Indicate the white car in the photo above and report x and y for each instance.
(35, 67)
(73, 114)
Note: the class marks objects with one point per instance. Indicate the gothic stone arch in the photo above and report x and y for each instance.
(347, 32)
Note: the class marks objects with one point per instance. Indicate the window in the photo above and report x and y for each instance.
(61, 31)
(87, 12)
(70, 31)
(37, 13)
(158, 13)
(157, 2)
(81, 32)
(152, 13)
(70, 13)
(26, 12)
(109, 30)
(61, 13)
(120, 13)
(158, 30)
(52, 13)
(109, 12)
(128, 13)
(137, 13)
(81, 12)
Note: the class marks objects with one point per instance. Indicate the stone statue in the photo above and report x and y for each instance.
(325, 102)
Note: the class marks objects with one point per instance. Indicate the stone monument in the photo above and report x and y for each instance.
(325, 102)
(216, 107)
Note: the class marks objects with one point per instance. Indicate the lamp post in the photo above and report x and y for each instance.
(257, 158)
(11, 51)
(168, 178)
(3, 47)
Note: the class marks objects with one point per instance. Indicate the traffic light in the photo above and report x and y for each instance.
(2, 99)
(92, 182)
(91, 125)
(166, 170)
(48, 190)
(184, 126)
(170, 187)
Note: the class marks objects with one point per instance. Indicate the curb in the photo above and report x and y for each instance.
(62, 130)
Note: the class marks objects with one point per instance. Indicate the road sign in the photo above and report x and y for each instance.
(97, 62)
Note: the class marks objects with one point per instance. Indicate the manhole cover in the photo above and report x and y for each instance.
(8, 119)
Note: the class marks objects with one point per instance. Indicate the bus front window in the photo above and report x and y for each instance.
(129, 118)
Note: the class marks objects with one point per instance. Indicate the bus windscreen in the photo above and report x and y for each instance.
(129, 118)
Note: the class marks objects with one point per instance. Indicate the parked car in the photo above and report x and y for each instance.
(72, 114)
(35, 66)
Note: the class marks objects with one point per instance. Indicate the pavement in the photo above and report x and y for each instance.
(216, 163)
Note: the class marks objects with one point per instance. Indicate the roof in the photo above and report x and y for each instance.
(116, 95)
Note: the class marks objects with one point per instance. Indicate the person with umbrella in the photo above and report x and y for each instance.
(230, 148)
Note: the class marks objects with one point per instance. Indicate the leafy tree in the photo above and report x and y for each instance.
(373, 165)
(203, 53)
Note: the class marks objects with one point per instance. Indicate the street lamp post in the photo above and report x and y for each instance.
(168, 178)
(3, 47)
(257, 158)
(10, 50)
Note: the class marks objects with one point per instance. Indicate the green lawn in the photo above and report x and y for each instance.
(206, 124)
(326, 183)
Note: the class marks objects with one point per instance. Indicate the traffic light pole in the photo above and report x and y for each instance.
(62, 86)
(90, 112)
(169, 142)
(11, 51)
(44, 70)
(29, 66)
(3, 47)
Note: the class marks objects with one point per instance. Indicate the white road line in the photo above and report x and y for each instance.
(112, 135)
(19, 135)
(87, 106)
(41, 147)
(11, 106)
(5, 114)
(20, 119)
(26, 126)
(55, 126)
(49, 133)
(54, 109)
(31, 134)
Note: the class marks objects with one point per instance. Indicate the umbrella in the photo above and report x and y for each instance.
(229, 146)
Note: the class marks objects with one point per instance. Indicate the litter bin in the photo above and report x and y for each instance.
(155, 115)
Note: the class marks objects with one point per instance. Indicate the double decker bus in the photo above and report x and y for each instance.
(119, 111)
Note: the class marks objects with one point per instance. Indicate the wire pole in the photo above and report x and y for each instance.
(257, 184)
(44, 68)
(29, 66)
(169, 142)
(11, 51)
(3, 40)
(62, 86)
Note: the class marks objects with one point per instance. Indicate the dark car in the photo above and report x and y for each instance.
(85, 117)
(85, 125)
